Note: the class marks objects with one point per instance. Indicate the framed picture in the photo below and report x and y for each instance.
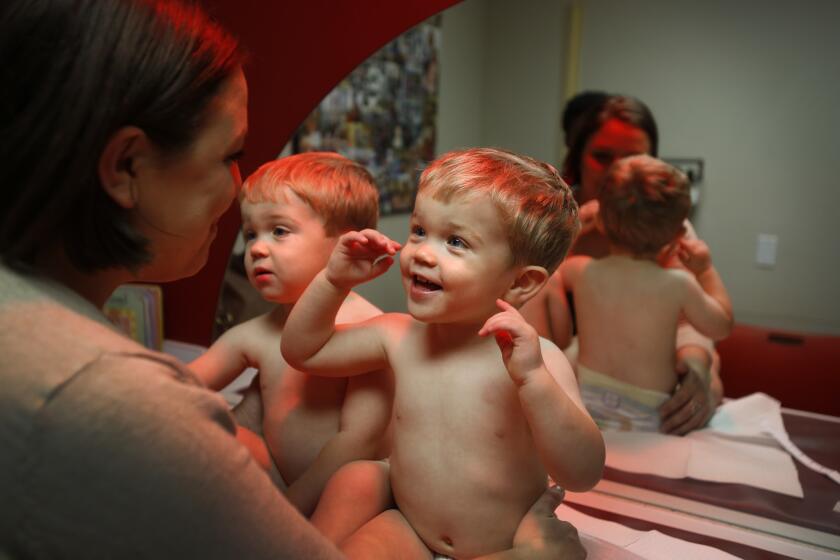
(382, 115)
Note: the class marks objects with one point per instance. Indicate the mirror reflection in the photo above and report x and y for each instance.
(748, 89)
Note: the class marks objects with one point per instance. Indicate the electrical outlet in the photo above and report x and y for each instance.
(692, 167)
(765, 250)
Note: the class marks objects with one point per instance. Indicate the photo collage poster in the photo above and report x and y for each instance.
(382, 115)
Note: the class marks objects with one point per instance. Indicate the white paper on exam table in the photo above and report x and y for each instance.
(736, 447)
(607, 540)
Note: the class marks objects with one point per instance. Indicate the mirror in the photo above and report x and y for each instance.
(750, 88)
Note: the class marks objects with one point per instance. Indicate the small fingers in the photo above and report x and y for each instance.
(504, 306)
(493, 324)
(382, 241)
(381, 266)
(548, 502)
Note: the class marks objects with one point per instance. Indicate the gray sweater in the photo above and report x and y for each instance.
(108, 450)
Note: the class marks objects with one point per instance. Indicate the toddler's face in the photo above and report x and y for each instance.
(285, 246)
(456, 262)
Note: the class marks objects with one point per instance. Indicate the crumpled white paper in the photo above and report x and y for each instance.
(607, 540)
(745, 443)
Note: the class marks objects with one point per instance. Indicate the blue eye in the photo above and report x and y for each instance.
(279, 231)
(248, 235)
(457, 242)
(418, 231)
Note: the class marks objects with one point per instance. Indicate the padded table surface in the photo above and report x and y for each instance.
(817, 437)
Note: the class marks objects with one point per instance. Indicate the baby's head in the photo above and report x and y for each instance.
(293, 211)
(535, 205)
(339, 190)
(643, 204)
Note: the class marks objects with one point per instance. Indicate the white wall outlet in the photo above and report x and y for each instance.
(692, 167)
(765, 250)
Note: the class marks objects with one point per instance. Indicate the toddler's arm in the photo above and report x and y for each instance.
(709, 309)
(365, 416)
(224, 360)
(311, 341)
(550, 400)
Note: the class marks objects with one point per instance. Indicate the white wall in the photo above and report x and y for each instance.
(751, 87)
(460, 118)
(499, 86)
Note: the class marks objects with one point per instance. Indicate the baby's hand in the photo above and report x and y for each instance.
(695, 255)
(518, 341)
(356, 258)
(587, 213)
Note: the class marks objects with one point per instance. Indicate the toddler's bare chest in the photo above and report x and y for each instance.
(472, 395)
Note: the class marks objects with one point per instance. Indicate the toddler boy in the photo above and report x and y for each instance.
(293, 211)
(477, 431)
(628, 306)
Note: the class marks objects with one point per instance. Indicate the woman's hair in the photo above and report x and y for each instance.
(535, 205)
(624, 108)
(577, 107)
(71, 75)
(339, 190)
(643, 204)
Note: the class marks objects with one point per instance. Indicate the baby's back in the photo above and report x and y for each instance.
(627, 311)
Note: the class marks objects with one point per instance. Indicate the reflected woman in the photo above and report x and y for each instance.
(601, 129)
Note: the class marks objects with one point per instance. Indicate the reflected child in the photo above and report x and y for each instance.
(628, 306)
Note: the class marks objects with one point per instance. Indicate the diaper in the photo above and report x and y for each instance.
(616, 405)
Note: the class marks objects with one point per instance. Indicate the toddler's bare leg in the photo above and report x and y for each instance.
(353, 496)
(388, 536)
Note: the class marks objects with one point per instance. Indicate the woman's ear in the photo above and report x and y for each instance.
(527, 284)
(117, 164)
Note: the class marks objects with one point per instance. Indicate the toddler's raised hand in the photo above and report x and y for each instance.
(695, 255)
(360, 256)
(518, 341)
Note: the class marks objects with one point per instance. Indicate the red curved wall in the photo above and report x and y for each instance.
(298, 51)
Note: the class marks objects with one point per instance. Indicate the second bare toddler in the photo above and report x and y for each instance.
(293, 211)
(628, 306)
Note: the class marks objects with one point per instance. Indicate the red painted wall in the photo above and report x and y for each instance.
(298, 51)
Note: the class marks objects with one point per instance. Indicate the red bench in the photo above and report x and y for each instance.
(800, 370)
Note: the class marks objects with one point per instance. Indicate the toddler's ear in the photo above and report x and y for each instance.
(117, 164)
(527, 284)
